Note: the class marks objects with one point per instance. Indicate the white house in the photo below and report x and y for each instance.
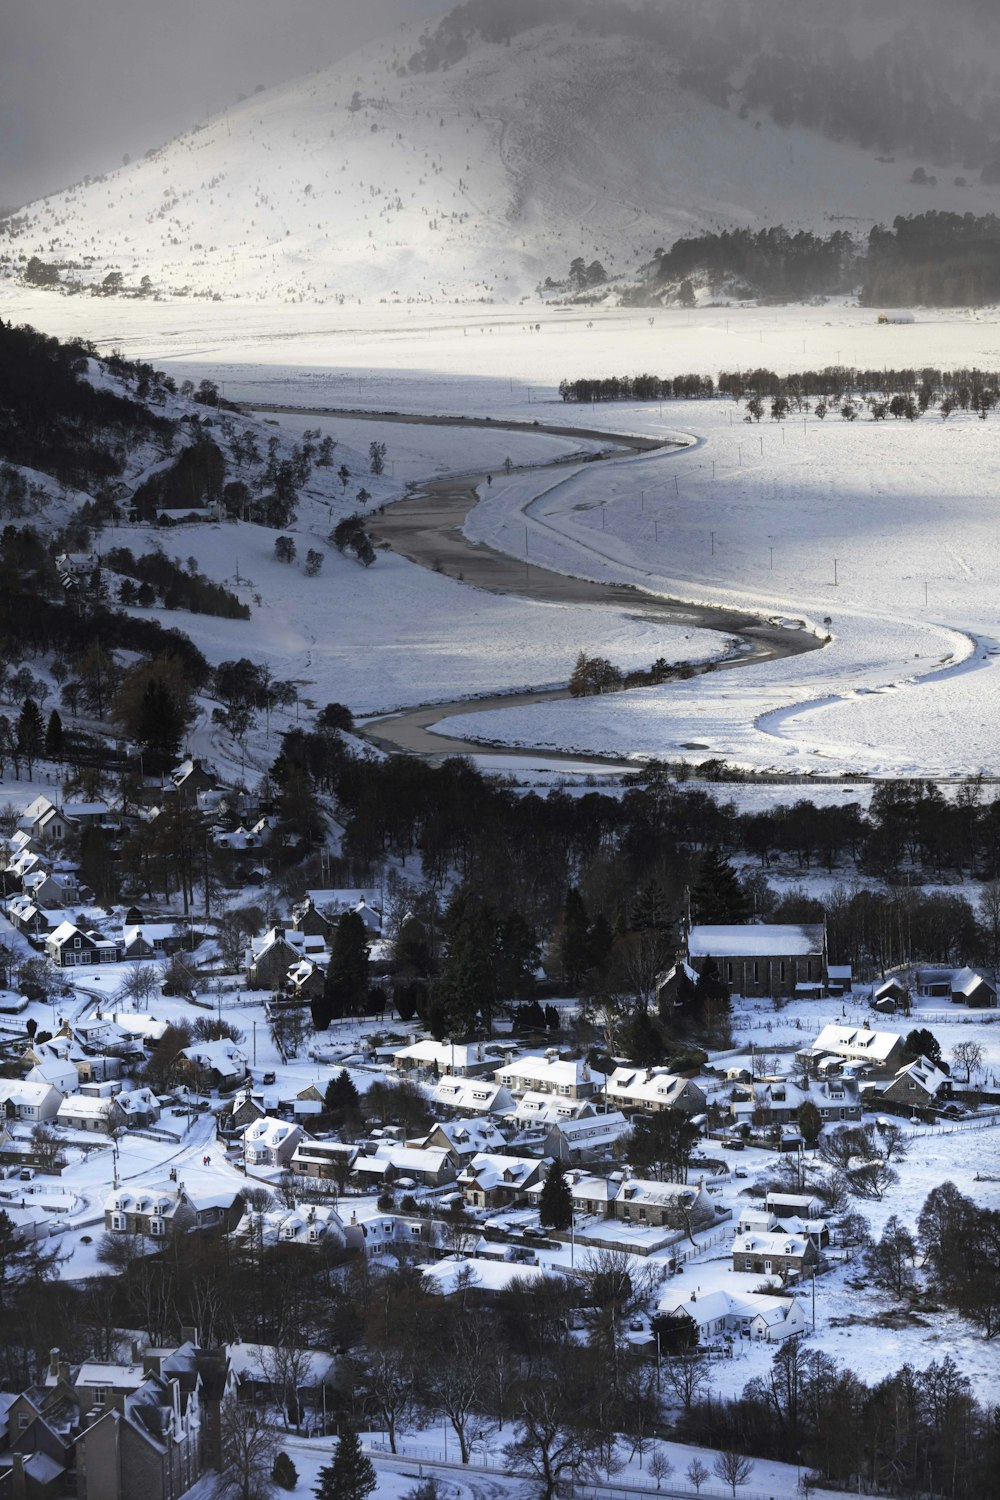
(753, 1315)
(551, 1074)
(458, 1059)
(270, 1143)
(883, 1051)
(33, 1102)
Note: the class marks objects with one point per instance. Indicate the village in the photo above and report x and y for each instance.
(155, 1089)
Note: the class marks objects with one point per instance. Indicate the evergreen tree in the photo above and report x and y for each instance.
(341, 1096)
(284, 1473)
(712, 1004)
(717, 896)
(573, 949)
(466, 990)
(54, 738)
(345, 988)
(350, 1475)
(518, 954)
(642, 1039)
(923, 1043)
(159, 725)
(555, 1205)
(30, 733)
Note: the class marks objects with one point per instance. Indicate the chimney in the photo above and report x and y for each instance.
(136, 1352)
(54, 1355)
(175, 1398)
(19, 1481)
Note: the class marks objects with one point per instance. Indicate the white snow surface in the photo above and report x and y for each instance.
(908, 682)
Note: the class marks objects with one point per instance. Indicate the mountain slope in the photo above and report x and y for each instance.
(372, 181)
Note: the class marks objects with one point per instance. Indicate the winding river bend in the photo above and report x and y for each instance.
(426, 527)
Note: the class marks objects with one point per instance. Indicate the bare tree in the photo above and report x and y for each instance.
(140, 982)
(697, 1473)
(249, 1448)
(659, 1466)
(968, 1055)
(388, 1383)
(47, 1148)
(872, 1180)
(687, 1375)
(286, 1368)
(553, 1444)
(456, 1383)
(732, 1468)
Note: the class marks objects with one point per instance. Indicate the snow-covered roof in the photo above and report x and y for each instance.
(549, 1109)
(646, 1085)
(965, 981)
(153, 932)
(447, 1276)
(475, 1095)
(470, 1135)
(447, 1055)
(757, 1242)
(595, 1130)
(85, 1107)
(60, 1073)
(856, 1041)
(224, 1057)
(555, 1071)
(63, 932)
(923, 1072)
(269, 1132)
(489, 1171)
(642, 1190)
(19, 1091)
(758, 940)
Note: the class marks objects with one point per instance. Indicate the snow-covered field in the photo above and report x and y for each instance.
(886, 530)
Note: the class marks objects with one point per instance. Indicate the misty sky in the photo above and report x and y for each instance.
(84, 81)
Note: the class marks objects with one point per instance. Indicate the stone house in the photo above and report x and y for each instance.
(763, 959)
(919, 1083)
(499, 1181)
(775, 1254)
(674, 1205)
(162, 1211)
(325, 1161)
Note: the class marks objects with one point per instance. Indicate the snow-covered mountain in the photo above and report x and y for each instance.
(379, 181)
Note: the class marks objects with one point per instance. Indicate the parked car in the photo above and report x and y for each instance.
(269, 1078)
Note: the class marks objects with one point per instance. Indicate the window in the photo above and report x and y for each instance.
(24, 1421)
(76, 942)
(156, 1228)
(756, 972)
(911, 1085)
(782, 971)
(117, 1221)
(748, 1263)
(100, 1395)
